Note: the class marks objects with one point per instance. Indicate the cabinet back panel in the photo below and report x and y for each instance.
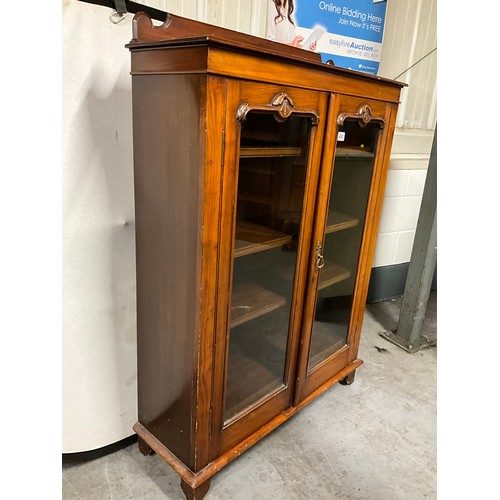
(168, 112)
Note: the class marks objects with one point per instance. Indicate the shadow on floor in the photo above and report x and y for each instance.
(387, 314)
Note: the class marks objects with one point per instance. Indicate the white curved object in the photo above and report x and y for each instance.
(99, 327)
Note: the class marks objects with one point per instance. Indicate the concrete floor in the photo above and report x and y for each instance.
(375, 439)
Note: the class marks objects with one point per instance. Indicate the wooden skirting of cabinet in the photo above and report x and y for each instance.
(259, 174)
(194, 480)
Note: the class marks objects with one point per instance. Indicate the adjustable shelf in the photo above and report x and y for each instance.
(232, 410)
(332, 273)
(251, 238)
(264, 169)
(353, 153)
(337, 221)
(332, 344)
(254, 198)
(250, 137)
(249, 301)
(267, 152)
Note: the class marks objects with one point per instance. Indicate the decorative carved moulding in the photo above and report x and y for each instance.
(176, 28)
(363, 115)
(282, 105)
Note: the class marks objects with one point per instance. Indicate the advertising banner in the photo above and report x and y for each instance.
(348, 32)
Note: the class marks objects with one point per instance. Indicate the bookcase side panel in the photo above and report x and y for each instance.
(166, 114)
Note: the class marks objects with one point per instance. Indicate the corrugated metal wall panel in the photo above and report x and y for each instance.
(410, 35)
(240, 15)
(194, 9)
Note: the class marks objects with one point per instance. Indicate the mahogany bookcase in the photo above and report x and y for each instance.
(259, 174)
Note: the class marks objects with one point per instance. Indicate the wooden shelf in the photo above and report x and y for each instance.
(254, 168)
(331, 325)
(232, 410)
(337, 221)
(249, 301)
(266, 151)
(254, 198)
(251, 238)
(332, 273)
(316, 359)
(256, 349)
(353, 153)
(259, 136)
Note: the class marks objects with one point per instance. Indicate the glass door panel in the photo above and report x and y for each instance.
(338, 254)
(271, 185)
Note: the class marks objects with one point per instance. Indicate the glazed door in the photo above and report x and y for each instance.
(271, 167)
(343, 240)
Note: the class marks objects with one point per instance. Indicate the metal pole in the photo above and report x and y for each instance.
(408, 334)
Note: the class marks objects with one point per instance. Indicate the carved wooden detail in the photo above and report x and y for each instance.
(363, 115)
(176, 27)
(283, 107)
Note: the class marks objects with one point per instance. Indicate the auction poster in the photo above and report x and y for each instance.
(354, 30)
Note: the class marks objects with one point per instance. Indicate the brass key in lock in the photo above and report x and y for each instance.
(320, 261)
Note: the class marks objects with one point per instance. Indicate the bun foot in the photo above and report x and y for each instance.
(143, 447)
(195, 493)
(349, 379)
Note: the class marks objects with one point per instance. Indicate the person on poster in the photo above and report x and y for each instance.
(281, 24)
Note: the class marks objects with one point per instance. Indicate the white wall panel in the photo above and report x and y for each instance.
(404, 246)
(399, 214)
(416, 182)
(385, 249)
(98, 257)
(397, 183)
(412, 141)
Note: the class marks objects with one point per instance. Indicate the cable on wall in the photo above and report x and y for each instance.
(415, 63)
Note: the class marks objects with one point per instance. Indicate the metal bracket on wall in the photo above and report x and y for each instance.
(119, 13)
(128, 6)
